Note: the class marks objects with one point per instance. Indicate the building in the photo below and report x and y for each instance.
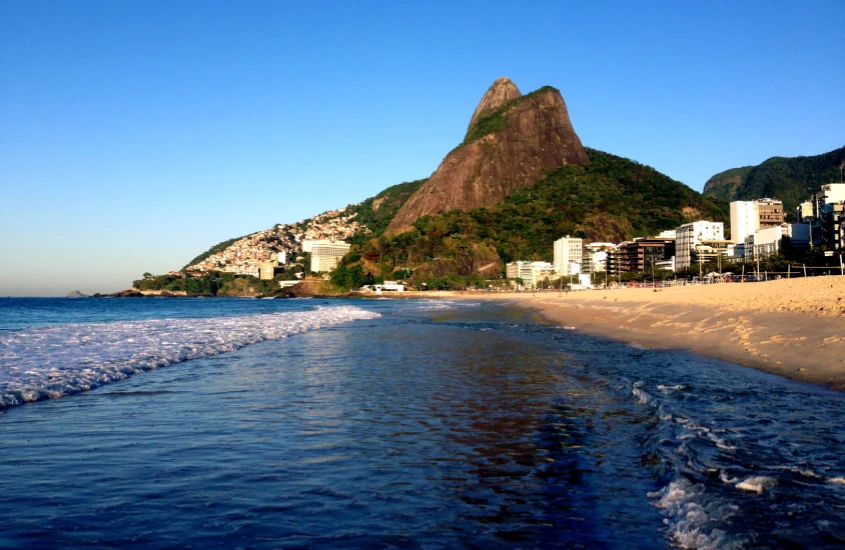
(283, 257)
(770, 213)
(830, 234)
(568, 253)
(799, 235)
(828, 194)
(391, 286)
(690, 236)
(771, 240)
(532, 274)
(804, 212)
(594, 257)
(749, 216)
(266, 270)
(325, 255)
(641, 254)
(744, 221)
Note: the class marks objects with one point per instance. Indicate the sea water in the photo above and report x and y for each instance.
(172, 423)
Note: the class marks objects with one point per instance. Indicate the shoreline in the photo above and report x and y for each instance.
(792, 328)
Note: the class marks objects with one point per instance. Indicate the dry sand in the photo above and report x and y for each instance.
(793, 328)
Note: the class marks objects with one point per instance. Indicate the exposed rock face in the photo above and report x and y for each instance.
(528, 136)
(501, 92)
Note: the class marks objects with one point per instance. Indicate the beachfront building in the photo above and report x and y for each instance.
(691, 238)
(532, 274)
(594, 257)
(829, 224)
(325, 255)
(828, 194)
(640, 254)
(743, 220)
(771, 240)
(749, 216)
(568, 255)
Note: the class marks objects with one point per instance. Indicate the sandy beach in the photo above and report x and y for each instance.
(793, 328)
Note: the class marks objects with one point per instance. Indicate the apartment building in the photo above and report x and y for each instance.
(568, 255)
(749, 216)
(640, 254)
(325, 255)
(531, 273)
(594, 257)
(828, 194)
(771, 240)
(701, 238)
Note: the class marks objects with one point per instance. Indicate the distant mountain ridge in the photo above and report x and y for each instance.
(724, 184)
(791, 180)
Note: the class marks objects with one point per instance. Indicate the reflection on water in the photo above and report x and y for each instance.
(468, 429)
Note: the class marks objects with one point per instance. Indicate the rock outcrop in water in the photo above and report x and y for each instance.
(511, 142)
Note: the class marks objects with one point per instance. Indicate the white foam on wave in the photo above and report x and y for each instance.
(691, 517)
(837, 480)
(756, 484)
(50, 362)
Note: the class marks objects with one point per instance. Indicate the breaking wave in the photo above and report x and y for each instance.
(47, 363)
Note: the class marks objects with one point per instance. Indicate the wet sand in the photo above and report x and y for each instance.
(793, 328)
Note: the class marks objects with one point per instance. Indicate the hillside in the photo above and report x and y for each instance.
(376, 213)
(791, 180)
(611, 199)
(512, 140)
(724, 184)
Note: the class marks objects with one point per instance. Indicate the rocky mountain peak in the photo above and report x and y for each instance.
(501, 92)
(511, 144)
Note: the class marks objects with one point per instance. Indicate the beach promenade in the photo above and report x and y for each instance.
(793, 328)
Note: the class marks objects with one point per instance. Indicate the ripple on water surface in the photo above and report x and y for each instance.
(430, 428)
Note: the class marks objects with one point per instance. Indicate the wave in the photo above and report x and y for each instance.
(47, 363)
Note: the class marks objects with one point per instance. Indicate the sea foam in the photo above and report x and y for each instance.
(46, 363)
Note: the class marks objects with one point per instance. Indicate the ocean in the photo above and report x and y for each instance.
(311, 423)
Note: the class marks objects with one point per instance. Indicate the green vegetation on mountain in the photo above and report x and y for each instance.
(791, 180)
(724, 184)
(611, 199)
(218, 283)
(376, 212)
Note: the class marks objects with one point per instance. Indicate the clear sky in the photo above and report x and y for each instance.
(134, 135)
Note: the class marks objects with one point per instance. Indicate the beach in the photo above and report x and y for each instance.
(789, 327)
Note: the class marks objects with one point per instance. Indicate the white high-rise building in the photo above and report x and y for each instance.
(744, 220)
(567, 255)
(749, 216)
(325, 255)
(690, 235)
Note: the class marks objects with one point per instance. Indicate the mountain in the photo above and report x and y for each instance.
(512, 140)
(791, 180)
(519, 180)
(724, 184)
(610, 199)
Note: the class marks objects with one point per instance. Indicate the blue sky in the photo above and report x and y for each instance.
(134, 135)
